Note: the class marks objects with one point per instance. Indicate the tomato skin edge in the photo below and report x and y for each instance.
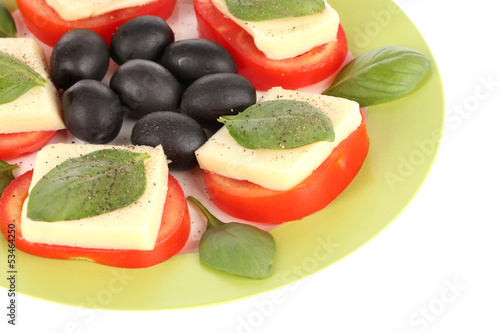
(170, 241)
(13, 145)
(312, 67)
(44, 22)
(251, 202)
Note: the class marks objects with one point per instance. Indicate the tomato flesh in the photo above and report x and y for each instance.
(252, 202)
(172, 236)
(264, 73)
(46, 24)
(13, 145)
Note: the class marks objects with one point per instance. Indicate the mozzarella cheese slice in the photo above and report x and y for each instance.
(279, 169)
(39, 108)
(132, 227)
(291, 36)
(72, 10)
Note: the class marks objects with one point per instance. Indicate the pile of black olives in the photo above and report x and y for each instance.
(174, 90)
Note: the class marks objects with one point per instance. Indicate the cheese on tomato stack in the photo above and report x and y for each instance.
(39, 108)
(134, 227)
(279, 169)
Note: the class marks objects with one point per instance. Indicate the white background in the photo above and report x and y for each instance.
(434, 269)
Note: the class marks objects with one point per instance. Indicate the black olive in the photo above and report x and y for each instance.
(178, 134)
(143, 37)
(92, 112)
(215, 95)
(145, 86)
(79, 54)
(190, 59)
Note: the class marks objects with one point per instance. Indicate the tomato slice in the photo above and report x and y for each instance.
(172, 236)
(44, 22)
(13, 145)
(304, 70)
(252, 202)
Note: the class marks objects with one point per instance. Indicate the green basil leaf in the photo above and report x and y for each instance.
(262, 10)
(279, 124)
(6, 175)
(16, 78)
(7, 24)
(380, 75)
(236, 248)
(90, 185)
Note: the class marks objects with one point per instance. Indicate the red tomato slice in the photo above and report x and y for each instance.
(13, 145)
(251, 202)
(172, 236)
(44, 22)
(304, 70)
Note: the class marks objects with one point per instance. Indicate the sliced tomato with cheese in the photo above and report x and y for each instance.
(172, 236)
(46, 24)
(13, 145)
(248, 201)
(312, 67)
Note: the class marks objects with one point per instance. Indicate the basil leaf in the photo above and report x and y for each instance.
(279, 124)
(6, 175)
(380, 75)
(262, 10)
(90, 185)
(236, 248)
(7, 24)
(16, 78)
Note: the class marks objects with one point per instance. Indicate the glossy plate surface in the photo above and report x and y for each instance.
(404, 136)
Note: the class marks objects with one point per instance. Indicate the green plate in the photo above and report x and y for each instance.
(404, 141)
(10, 4)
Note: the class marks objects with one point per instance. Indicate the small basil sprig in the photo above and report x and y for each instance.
(7, 24)
(380, 75)
(6, 175)
(236, 248)
(16, 78)
(90, 185)
(262, 10)
(279, 124)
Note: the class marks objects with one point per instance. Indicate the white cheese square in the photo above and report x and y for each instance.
(39, 109)
(290, 36)
(72, 10)
(279, 169)
(132, 227)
